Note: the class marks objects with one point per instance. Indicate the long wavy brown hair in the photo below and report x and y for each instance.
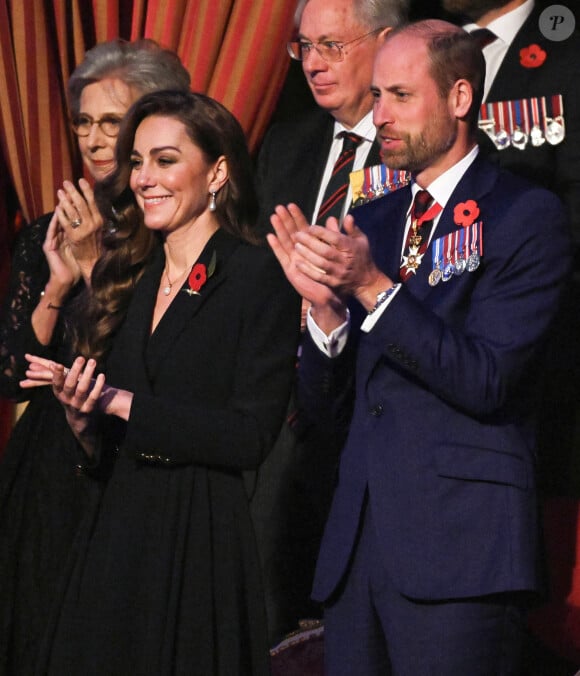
(128, 245)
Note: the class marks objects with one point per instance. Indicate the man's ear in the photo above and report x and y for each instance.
(460, 98)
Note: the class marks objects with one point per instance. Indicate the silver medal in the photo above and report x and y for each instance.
(459, 267)
(555, 131)
(447, 272)
(519, 138)
(501, 139)
(473, 261)
(536, 136)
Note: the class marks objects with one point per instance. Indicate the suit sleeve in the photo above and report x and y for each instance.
(238, 434)
(477, 358)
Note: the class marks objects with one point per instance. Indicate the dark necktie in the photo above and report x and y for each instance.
(483, 37)
(337, 187)
(423, 212)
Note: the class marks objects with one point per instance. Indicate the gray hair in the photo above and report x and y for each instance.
(143, 65)
(371, 13)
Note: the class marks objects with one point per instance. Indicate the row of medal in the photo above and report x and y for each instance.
(525, 121)
(457, 252)
(371, 183)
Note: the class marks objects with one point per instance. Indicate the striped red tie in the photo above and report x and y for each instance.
(337, 187)
(423, 213)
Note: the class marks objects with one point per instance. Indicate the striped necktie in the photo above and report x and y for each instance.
(337, 187)
(423, 213)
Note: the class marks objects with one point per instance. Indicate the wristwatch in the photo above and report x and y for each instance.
(383, 296)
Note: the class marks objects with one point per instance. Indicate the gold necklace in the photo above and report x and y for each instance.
(167, 289)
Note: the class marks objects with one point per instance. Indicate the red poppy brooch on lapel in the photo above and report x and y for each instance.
(466, 213)
(199, 275)
(532, 56)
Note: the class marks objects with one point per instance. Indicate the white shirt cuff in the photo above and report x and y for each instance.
(372, 319)
(333, 344)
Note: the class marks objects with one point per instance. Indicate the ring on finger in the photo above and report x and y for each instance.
(76, 222)
(66, 371)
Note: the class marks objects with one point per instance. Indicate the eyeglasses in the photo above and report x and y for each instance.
(108, 124)
(330, 50)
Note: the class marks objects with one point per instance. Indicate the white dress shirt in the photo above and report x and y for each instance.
(505, 28)
(367, 131)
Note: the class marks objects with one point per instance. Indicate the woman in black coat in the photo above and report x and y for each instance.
(198, 336)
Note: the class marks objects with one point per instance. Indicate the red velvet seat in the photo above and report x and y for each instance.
(301, 653)
(557, 623)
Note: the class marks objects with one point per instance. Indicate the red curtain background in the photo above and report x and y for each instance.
(233, 49)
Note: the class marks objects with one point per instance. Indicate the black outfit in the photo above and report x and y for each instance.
(295, 484)
(556, 168)
(43, 490)
(166, 579)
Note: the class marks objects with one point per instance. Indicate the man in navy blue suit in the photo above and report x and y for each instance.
(424, 338)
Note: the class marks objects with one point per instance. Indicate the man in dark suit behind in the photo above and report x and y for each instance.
(336, 44)
(296, 157)
(430, 551)
(512, 75)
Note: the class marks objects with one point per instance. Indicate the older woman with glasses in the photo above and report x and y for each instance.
(43, 492)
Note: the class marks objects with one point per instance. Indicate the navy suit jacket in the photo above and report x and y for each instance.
(441, 436)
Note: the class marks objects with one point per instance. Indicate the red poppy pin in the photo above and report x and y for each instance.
(199, 275)
(465, 213)
(532, 56)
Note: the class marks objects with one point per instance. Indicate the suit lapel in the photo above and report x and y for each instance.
(126, 364)
(185, 305)
(309, 177)
(511, 73)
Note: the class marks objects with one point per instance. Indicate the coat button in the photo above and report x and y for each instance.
(376, 410)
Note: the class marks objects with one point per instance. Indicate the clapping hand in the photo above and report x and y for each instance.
(304, 275)
(80, 221)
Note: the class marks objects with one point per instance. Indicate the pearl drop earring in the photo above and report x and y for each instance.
(212, 202)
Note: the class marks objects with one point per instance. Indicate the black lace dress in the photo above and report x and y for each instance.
(43, 489)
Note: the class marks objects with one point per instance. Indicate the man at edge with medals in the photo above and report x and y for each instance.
(433, 528)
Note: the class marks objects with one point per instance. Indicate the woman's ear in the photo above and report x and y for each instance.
(218, 175)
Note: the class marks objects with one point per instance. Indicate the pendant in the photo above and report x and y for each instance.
(166, 290)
